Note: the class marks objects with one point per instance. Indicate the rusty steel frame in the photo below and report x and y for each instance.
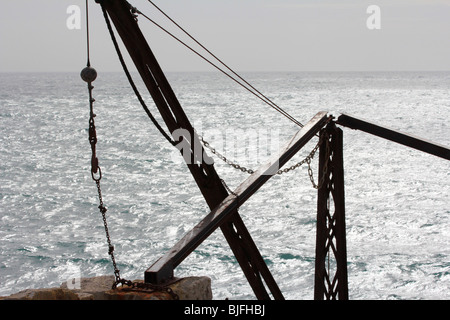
(331, 281)
(164, 267)
(331, 278)
(204, 173)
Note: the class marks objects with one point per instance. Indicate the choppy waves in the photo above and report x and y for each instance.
(398, 212)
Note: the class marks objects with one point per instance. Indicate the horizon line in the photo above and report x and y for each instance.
(244, 71)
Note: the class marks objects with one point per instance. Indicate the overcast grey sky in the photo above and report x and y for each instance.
(250, 35)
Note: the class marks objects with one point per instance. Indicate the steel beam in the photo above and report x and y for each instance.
(396, 136)
(204, 173)
(231, 203)
(331, 247)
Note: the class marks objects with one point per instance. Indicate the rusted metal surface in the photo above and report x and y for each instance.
(331, 279)
(204, 173)
(331, 249)
(131, 294)
(396, 136)
(227, 208)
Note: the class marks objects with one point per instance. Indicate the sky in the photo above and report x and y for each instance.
(249, 35)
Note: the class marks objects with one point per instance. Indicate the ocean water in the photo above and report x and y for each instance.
(397, 199)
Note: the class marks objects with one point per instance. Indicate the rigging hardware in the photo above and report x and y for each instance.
(89, 75)
(130, 79)
(214, 189)
(306, 160)
(205, 175)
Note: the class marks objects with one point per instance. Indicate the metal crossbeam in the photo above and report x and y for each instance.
(331, 252)
(396, 136)
(165, 265)
(204, 173)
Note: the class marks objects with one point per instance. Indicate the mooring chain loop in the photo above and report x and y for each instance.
(228, 188)
(324, 137)
(307, 160)
(223, 158)
(148, 287)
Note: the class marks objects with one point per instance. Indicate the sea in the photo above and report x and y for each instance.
(397, 198)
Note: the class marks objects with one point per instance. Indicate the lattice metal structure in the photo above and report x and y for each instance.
(331, 281)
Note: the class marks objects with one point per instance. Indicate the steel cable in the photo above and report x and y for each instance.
(246, 85)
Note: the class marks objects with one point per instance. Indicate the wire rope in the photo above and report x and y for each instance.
(130, 79)
(246, 85)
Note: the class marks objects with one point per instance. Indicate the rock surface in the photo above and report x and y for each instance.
(90, 288)
(43, 294)
(192, 288)
(100, 288)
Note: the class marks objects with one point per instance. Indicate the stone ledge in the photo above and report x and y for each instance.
(99, 288)
(43, 294)
(91, 288)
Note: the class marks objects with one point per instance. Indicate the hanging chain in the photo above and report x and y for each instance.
(324, 137)
(96, 173)
(223, 158)
(149, 288)
(88, 74)
(103, 210)
(307, 160)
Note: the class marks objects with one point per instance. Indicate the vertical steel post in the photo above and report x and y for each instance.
(331, 280)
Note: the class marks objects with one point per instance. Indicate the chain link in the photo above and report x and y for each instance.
(325, 136)
(96, 174)
(223, 158)
(307, 160)
(103, 211)
(149, 288)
